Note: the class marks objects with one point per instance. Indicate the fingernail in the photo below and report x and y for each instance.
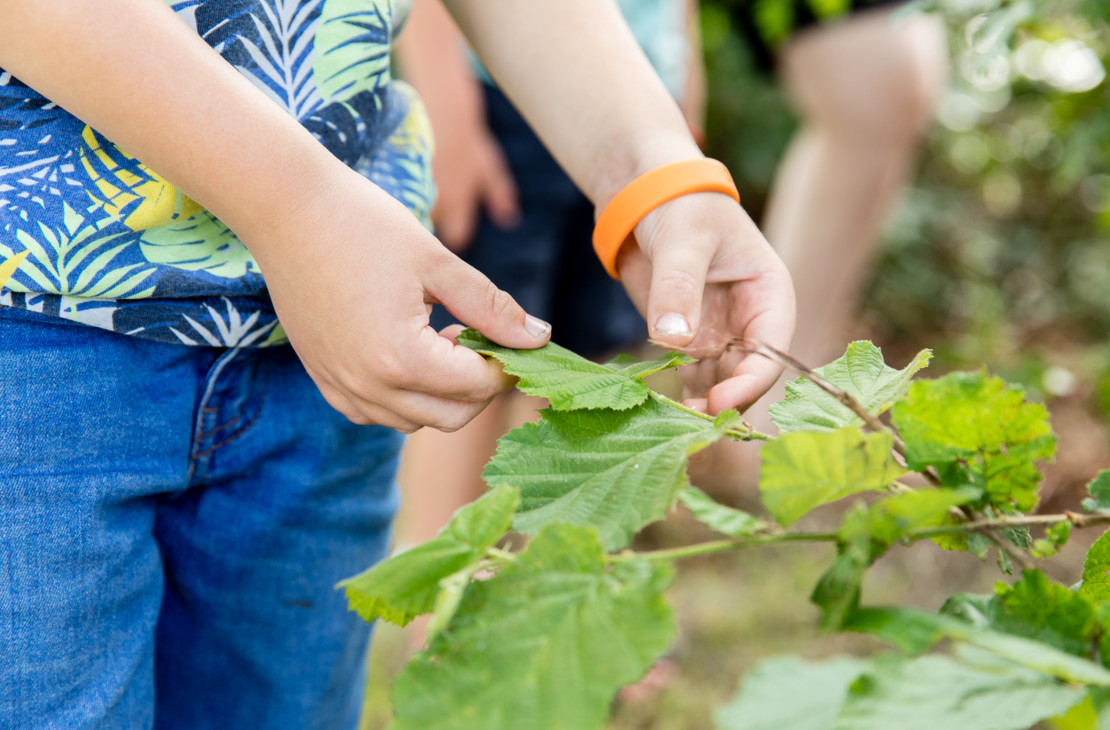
(672, 324)
(536, 327)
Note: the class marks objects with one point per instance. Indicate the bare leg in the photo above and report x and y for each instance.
(441, 472)
(865, 90)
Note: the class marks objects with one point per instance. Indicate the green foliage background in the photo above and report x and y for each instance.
(999, 250)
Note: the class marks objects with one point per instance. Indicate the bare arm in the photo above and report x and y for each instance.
(470, 169)
(702, 273)
(350, 270)
(694, 89)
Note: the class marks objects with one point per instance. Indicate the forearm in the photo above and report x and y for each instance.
(432, 58)
(694, 88)
(577, 74)
(136, 73)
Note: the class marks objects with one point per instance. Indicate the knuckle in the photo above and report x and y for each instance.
(357, 418)
(501, 304)
(455, 420)
(391, 368)
(681, 282)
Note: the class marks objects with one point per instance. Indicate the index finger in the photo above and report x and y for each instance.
(755, 374)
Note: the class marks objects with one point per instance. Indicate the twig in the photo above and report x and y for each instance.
(767, 538)
(720, 546)
(745, 432)
(746, 344)
(980, 525)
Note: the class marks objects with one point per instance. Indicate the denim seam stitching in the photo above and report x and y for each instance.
(204, 399)
(245, 427)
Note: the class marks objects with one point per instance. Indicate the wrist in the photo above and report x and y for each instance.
(647, 192)
(618, 169)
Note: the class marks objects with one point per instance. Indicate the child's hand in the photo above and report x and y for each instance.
(471, 175)
(704, 274)
(353, 276)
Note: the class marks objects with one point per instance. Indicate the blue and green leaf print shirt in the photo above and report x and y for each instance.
(110, 243)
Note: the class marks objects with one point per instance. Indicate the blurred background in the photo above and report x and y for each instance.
(998, 255)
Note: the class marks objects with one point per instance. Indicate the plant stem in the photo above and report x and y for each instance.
(721, 546)
(744, 433)
(502, 556)
(983, 526)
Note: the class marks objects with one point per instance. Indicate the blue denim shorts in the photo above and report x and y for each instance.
(547, 262)
(172, 522)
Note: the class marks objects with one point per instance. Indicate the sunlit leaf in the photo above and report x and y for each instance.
(806, 469)
(1096, 571)
(860, 372)
(406, 585)
(978, 430)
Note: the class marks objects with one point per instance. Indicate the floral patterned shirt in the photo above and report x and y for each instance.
(109, 243)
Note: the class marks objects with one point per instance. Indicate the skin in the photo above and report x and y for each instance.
(137, 74)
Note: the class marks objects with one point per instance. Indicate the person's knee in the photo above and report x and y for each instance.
(919, 77)
(869, 78)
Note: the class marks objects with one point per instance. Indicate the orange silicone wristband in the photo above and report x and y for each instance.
(649, 191)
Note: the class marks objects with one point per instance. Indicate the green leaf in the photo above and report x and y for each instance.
(613, 470)
(804, 470)
(543, 645)
(977, 430)
(1102, 614)
(1055, 537)
(570, 381)
(450, 595)
(892, 692)
(771, 697)
(1096, 571)
(891, 518)
(861, 373)
(916, 631)
(1083, 716)
(640, 369)
(837, 592)
(864, 535)
(406, 585)
(1099, 489)
(1038, 609)
(939, 692)
(725, 520)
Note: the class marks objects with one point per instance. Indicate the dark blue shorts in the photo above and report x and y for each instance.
(547, 261)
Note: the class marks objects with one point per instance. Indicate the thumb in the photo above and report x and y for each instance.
(675, 298)
(475, 301)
